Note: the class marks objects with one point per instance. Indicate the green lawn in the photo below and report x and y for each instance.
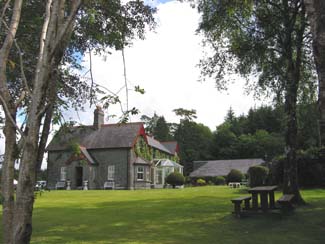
(191, 215)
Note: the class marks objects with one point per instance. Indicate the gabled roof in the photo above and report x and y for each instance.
(167, 163)
(223, 167)
(172, 146)
(158, 145)
(140, 160)
(108, 136)
(84, 155)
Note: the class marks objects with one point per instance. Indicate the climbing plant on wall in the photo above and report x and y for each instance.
(142, 149)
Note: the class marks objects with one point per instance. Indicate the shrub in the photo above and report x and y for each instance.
(175, 179)
(219, 180)
(311, 168)
(235, 176)
(200, 182)
(257, 175)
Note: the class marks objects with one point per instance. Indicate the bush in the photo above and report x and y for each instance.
(257, 175)
(175, 179)
(235, 176)
(219, 180)
(200, 182)
(311, 168)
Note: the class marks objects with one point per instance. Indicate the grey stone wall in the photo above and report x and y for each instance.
(96, 175)
(106, 157)
(55, 161)
(125, 176)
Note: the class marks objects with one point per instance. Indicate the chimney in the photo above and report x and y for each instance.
(98, 117)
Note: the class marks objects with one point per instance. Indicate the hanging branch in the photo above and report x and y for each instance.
(125, 80)
(91, 78)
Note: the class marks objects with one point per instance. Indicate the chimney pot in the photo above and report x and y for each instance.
(98, 117)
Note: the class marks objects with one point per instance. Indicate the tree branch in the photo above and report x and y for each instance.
(8, 115)
(67, 25)
(21, 63)
(4, 11)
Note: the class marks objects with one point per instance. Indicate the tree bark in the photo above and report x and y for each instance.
(290, 181)
(7, 180)
(10, 127)
(316, 16)
(55, 36)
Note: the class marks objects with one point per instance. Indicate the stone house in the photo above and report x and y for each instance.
(118, 156)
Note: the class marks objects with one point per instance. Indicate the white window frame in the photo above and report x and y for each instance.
(140, 171)
(63, 173)
(111, 172)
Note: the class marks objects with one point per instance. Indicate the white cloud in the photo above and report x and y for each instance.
(165, 65)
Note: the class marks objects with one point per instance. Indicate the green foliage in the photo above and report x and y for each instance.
(142, 150)
(100, 26)
(256, 135)
(175, 179)
(257, 175)
(311, 168)
(185, 114)
(234, 176)
(219, 180)
(194, 141)
(161, 130)
(75, 148)
(149, 123)
(201, 182)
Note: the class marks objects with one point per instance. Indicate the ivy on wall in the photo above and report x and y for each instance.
(76, 153)
(142, 149)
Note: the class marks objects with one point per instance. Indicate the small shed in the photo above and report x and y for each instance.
(222, 167)
(162, 168)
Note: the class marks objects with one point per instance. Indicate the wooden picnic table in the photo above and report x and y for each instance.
(266, 196)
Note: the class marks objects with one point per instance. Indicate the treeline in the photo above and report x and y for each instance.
(258, 134)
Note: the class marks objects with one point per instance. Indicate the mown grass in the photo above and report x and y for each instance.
(191, 215)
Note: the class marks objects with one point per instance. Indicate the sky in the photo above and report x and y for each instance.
(165, 66)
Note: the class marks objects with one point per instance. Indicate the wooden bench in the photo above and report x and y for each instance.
(109, 185)
(234, 184)
(237, 204)
(60, 185)
(286, 202)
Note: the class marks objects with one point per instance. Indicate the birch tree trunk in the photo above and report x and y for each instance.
(9, 108)
(57, 28)
(293, 76)
(55, 36)
(316, 16)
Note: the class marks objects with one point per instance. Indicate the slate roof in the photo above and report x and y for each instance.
(108, 136)
(156, 144)
(223, 167)
(172, 146)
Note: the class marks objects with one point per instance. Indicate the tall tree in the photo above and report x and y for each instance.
(58, 20)
(316, 10)
(194, 139)
(161, 130)
(266, 38)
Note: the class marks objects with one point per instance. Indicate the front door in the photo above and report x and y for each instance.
(78, 176)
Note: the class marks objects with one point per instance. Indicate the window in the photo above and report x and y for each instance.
(110, 172)
(140, 173)
(63, 174)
